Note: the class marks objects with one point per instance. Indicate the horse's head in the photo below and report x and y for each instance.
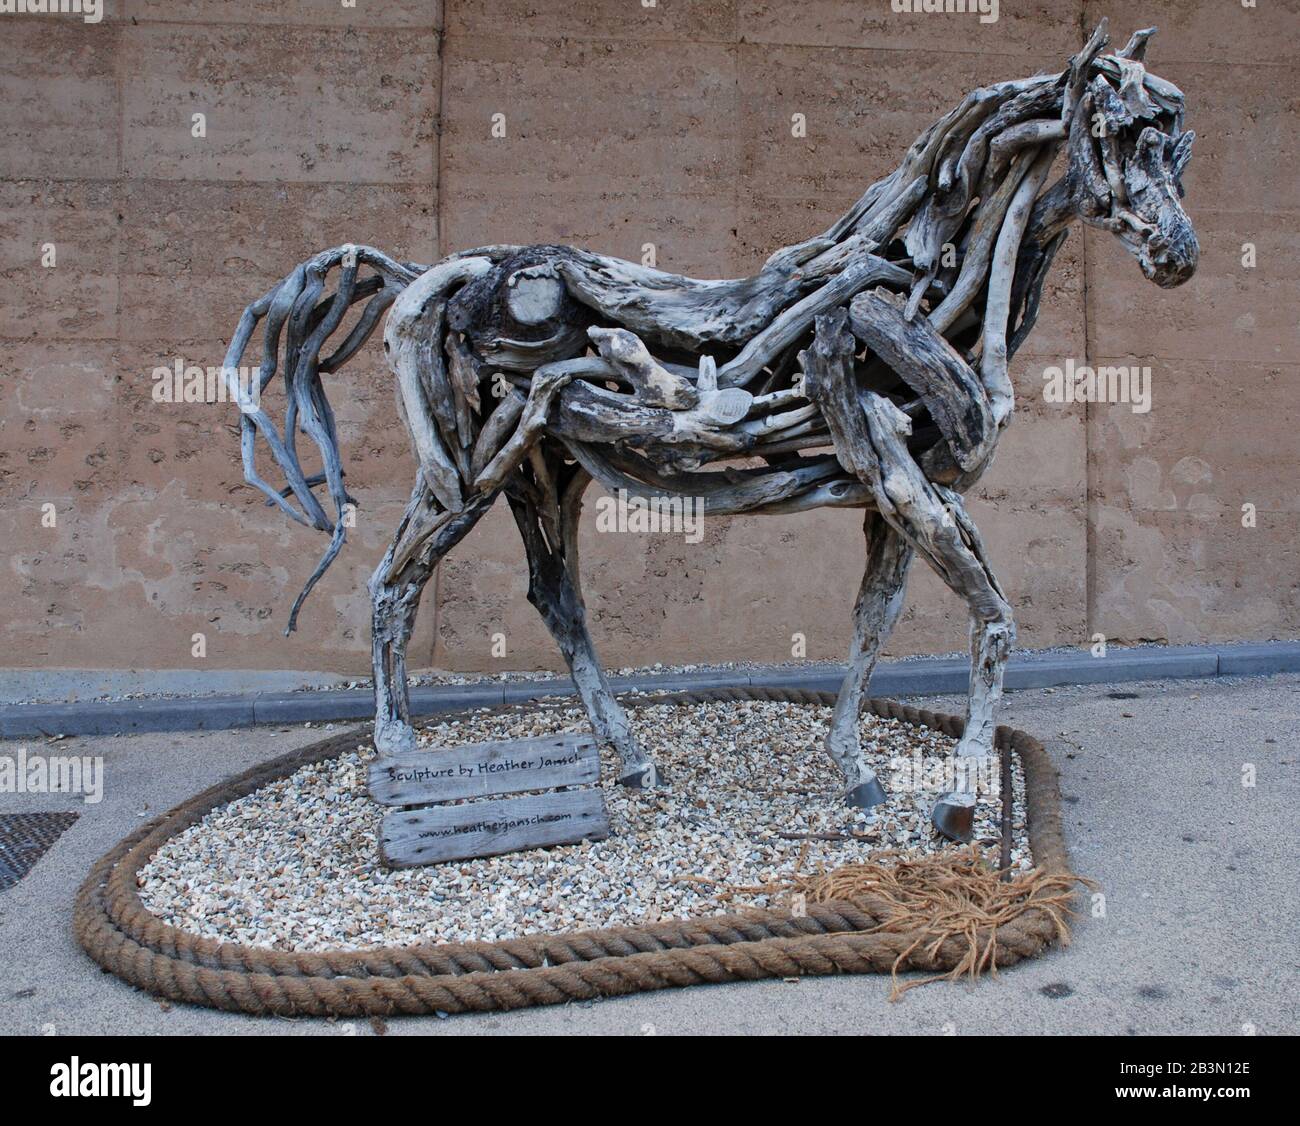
(1127, 151)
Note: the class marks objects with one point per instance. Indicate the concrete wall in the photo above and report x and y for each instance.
(625, 125)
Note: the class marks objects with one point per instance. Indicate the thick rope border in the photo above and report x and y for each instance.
(114, 928)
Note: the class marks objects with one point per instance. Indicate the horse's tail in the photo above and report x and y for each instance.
(296, 310)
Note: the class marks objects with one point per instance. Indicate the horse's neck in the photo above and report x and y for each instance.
(1053, 213)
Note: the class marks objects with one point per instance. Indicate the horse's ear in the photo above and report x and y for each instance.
(1136, 47)
(1076, 75)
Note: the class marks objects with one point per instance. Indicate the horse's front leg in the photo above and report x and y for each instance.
(992, 633)
(879, 603)
(870, 435)
(935, 521)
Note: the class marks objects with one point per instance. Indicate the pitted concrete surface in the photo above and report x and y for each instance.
(1196, 933)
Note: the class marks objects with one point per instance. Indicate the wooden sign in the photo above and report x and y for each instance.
(412, 837)
(478, 770)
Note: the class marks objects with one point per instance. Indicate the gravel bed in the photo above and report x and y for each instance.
(753, 797)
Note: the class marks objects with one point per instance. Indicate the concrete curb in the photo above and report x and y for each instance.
(925, 677)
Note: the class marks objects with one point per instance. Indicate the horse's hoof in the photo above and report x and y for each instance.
(954, 818)
(645, 776)
(394, 738)
(865, 795)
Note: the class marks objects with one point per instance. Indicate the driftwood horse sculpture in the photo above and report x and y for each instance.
(880, 346)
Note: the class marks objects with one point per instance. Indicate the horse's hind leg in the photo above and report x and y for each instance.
(424, 536)
(880, 601)
(547, 515)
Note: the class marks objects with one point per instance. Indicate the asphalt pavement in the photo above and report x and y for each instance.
(1195, 931)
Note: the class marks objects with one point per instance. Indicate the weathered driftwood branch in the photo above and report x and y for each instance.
(934, 369)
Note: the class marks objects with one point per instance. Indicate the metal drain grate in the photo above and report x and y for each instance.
(25, 838)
